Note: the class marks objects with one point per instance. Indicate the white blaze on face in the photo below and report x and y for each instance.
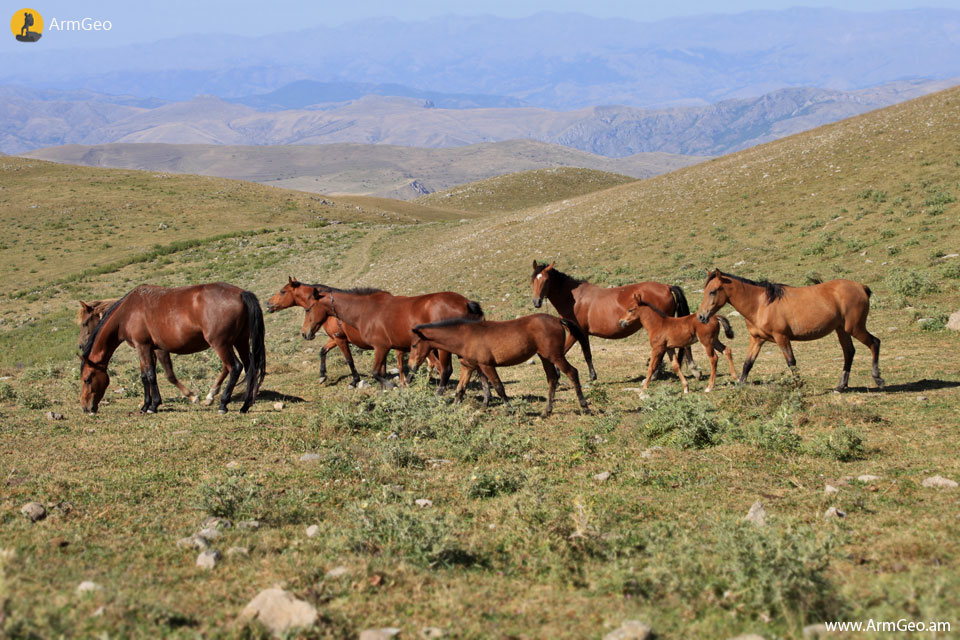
(539, 276)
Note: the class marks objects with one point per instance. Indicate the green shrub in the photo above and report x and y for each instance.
(6, 391)
(231, 496)
(909, 283)
(843, 443)
(776, 434)
(951, 270)
(685, 422)
(489, 484)
(32, 399)
(411, 412)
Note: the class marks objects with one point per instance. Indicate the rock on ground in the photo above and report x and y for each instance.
(379, 634)
(209, 534)
(34, 510)
(249, 524)
(309, 457)
(88, 587)
(208, 559)
(651, 452)
(867, 478)
(757, 514)
(312, 531)
(833, 512)
(337, 572)
(423, 503)
(214, 522)
(631, 630)
(954, 322)
(939, 482)
(278, 611)
(602, 476)
(749, 636)
(196, 540)
(830, 490)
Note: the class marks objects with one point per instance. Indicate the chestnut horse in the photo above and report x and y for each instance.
(598, 309)
(385, 321)
(485, 345)
(89, 317)
(177, 320)
(667, 334)
(341, 334)
(780, 313)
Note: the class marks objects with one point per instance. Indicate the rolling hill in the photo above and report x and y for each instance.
(384, 170)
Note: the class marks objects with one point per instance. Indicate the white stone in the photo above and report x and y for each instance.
(830, 490)
(954, 322)
(309, 457)
(423, 503)
(867, 478)
(34, 510)
(278, 611)
(337, 572)
(379, 634)
(279, 406)
(233, 464)
(209, 534)
(312, 531)
(833, 512)
(196, 540)
(249, 524)
(208, 559)
(631, 630)
(602, 477)
(757, 514)
(88, 587)
(939, 482)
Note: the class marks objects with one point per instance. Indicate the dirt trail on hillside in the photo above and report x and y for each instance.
(356, 261)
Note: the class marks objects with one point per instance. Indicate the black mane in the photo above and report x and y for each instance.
(774, 290)
(360, 291)
(563, 277)
(449, 322)
(88, 347)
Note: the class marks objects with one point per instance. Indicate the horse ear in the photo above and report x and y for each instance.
(293, 281)
(316, 294)
(535, 265)
(550, 266)
(87, 308)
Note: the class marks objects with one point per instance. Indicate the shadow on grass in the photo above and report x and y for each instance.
(907, 387)
(276, 395)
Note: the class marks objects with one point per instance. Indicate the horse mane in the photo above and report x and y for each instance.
(88, 347)
(360, 291)
(654, 307)
(449, 322)
(774, 290)
(560, 274)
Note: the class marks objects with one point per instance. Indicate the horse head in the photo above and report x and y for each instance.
(319, 309)
(714, 295)
(540, 281)
(95, 382)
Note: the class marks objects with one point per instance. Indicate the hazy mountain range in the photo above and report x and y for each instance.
(551, 60)
(30, 119)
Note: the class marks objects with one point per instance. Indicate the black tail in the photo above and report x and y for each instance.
(581, 337)
(727, 329)
(474, 309)
(867, 289)
(683, 309)
(258, 353)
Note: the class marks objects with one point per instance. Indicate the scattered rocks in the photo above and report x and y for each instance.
(834, 513)
(278, 611)
(208, 559)
(196, 540)
(423, 503)
(309, 457)
(939, 482)
(379, 634)
(53, 415)
(867, 478)
(631, 630)
(249, 524)
(363, 384)
(279, 406)
(602, 477)
(34, 510)
(337, 572)
(757, 514)
(312, 531)
(209, 534)
(238, 551)
(830, 490)
(88, 587)
(954, 322)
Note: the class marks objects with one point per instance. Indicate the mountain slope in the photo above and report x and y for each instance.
(393, 171)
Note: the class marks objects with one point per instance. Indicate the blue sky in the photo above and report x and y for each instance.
(148, 21)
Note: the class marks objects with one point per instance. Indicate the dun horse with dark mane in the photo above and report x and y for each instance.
(780, 313)
(598, 309)
(177, 320)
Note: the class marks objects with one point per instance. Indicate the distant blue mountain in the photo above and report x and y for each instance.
(307, 93)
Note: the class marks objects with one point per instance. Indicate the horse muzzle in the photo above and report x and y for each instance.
(704, 318)
(623, 324)
(308, 336)
(537, 302)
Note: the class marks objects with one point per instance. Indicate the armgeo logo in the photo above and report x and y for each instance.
(27, 25)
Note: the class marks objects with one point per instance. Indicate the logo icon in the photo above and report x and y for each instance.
(27, 25)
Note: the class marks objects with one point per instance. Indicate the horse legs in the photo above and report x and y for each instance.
(675, 363)
(712, 355)
(445, 366)
(148, 376)
(331, 343)
(401, 367)
(243, 351)
(571, 372)
(872, 341)
(691, 365)
(656, 354)
(465, 373)
(163, 357)
(232, 366)
(847, 345)
(753, 352)
(380, 367)
(215, 389)
(787, 349)
(494, 379)
(552, 378)
(727, 351)
(571, 339)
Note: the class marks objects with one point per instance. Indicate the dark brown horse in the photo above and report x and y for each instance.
(385, 321)
(667, 334)
(780, 313)
(598, 309)
(89, 317)
(485, 345)
(177, 320)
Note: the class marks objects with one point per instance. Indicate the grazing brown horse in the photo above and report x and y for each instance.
(667, 334)
(89, 318)
(598, 309)
(177, 320)
(385, 321)
(485, 345)
(780, 313)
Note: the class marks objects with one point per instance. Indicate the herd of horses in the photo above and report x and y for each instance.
(158, 321)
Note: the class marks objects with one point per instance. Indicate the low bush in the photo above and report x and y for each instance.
(685, 422)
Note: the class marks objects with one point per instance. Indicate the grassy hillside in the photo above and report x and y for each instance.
(516, 191)
(525, 535)
(369, 169)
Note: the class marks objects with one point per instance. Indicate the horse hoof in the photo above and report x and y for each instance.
(149, 411)
(322, 380)
(207, 401)
(708, 390)
(193, 399)
(879, 382)
(221, 411)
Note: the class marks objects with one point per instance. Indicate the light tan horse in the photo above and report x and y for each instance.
(667, 334)
(780, 313)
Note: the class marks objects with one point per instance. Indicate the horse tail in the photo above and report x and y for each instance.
(867, 289)
(474, 308)
(581, 337)
(258, 354)
(727, 329)
(683, 309)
